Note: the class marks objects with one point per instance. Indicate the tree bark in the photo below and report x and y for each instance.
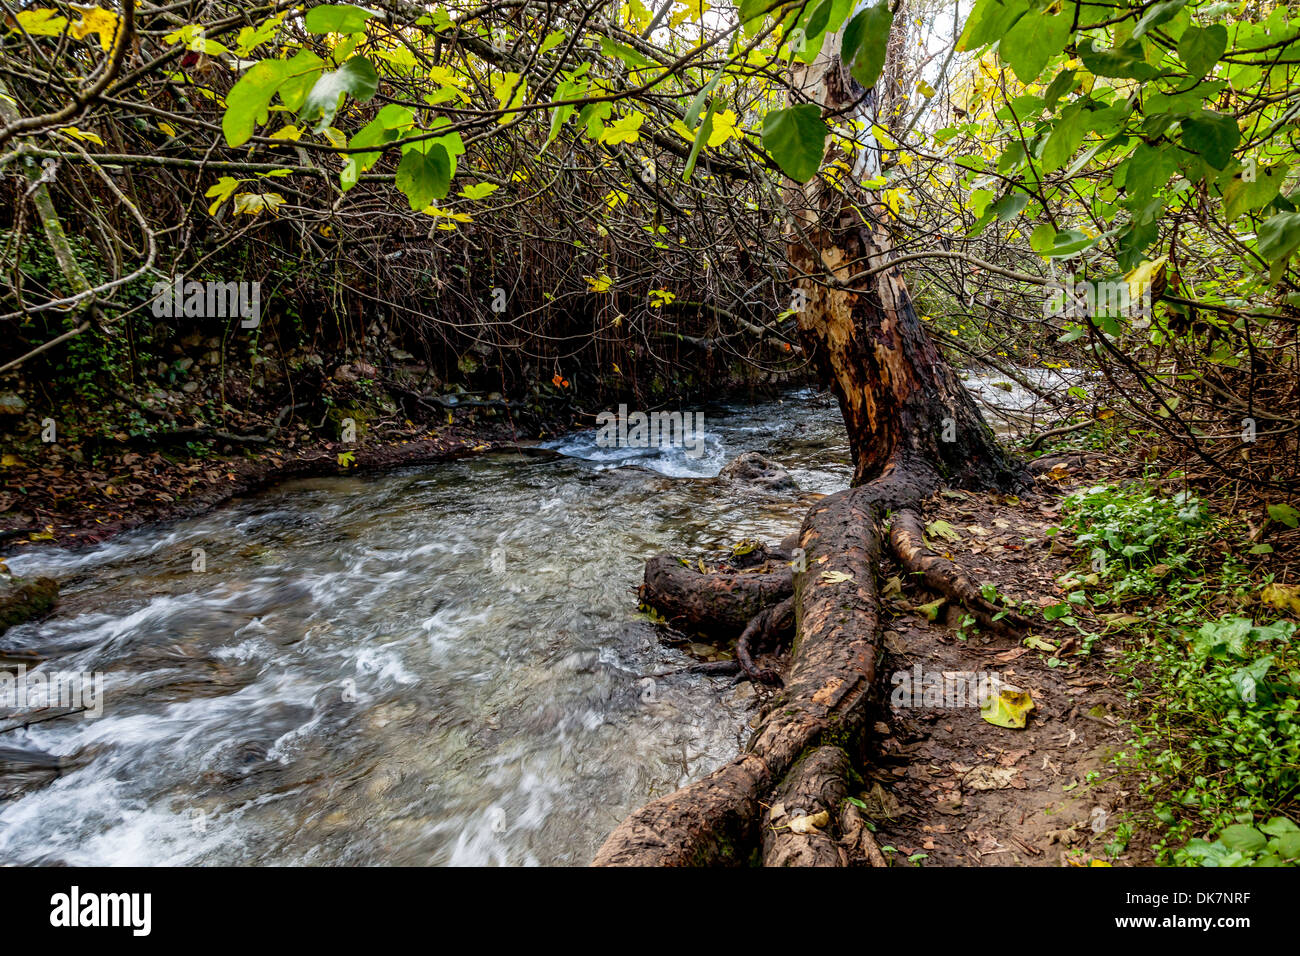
(911, 426)
(901, 401)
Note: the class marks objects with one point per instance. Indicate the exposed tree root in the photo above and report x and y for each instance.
(818, 783)
(943, 576)
(765, 627)
(720, 604)
(829, 687)
(858, 838)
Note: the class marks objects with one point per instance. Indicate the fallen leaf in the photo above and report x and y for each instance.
(988, 777)
(810, 824)
(1282, 597)
(931, 610)
(1010, 708)
(942, 529)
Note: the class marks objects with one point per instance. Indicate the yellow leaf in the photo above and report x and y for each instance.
(810, 824)
(99, 21)
(79, 134)
(1282, 597)
(222, 191)
(1140, 278)
(942, 529)
(42, 22)
(599, 284)
(254, 204)
(1009, 708)
(625, 129)
(836, 577)
(724, 128)
(931, 610)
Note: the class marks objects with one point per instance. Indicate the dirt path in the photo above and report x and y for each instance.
(948, 788)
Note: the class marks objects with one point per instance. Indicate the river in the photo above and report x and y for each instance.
(436, 665)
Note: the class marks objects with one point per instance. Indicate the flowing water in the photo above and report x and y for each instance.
(439, 665)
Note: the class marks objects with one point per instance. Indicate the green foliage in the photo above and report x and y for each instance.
(1136, 539)
(796, 138)
(1216, 748)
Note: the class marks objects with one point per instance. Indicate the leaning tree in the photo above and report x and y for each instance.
(911, 426)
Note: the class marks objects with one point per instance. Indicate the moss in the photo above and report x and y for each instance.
(22, 599)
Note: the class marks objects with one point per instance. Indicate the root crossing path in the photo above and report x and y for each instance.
(872, 749)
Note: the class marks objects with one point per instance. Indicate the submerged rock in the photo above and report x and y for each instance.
(753, 469)
(22, 599)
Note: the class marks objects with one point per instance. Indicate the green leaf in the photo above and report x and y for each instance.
(1157, 14)
(424, 176)
(553, 39)
(1009, 206)
(1147, 171)
(990, 21)
(1125, 61)
(1284, 514)
(1065, 138)
(357, 76)
(248, 100)
(336, 18)
(303, 69)
(866, 39)
(1200, 48)
(1032, 42)
(384, 128)
(629, 56)
(571, 89)
(1279, 237)
(701, 137)
(1043, 238)
(1242, 195)
(796, 138)
(819, 19)
(1070, 242)
(750, 11)
(1243, 838)
(1064, 81)
(1213, 136)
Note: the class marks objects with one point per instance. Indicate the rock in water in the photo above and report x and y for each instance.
(22, 599)
(753, 469)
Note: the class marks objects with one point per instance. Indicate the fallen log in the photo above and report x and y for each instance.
(831, 676)
(719, 604)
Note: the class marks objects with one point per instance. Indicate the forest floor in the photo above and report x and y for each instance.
(58, 498)
(949, 788)
(945, 787)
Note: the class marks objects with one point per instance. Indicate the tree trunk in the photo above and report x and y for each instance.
(911, 426)
(903, 405)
